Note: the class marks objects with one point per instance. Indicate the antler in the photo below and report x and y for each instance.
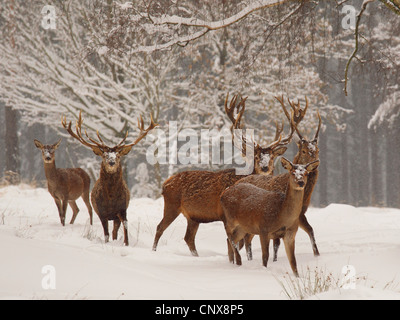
(78, 134)
(278, 141)
(278, 130)
(236, 122)
(319, 126)
(95, 145)
(293, 128)
(230, 110)
(143, 132)
(298, 113)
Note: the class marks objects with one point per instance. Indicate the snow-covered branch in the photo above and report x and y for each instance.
(173, 29)
(215, 25)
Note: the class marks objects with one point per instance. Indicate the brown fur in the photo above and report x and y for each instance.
(65, 185)
(308, 152)
(110, 194)
(195, 194)
(110, 200)
(249, 209)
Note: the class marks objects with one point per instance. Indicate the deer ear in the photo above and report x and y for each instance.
(286, 164)
(97, 151)
(280, 151)
(125, 150)
(312, 166)
(57, 144)
(38, 144)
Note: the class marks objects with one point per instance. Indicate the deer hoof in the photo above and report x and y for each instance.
(194, 253)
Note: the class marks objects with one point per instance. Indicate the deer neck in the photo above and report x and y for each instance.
(292, 205)
(111, 179)
(313, 177)
(50, 171)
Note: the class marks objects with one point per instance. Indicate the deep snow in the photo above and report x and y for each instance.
(32, 237)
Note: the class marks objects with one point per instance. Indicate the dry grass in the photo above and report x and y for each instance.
(309, 283)
(318, 280)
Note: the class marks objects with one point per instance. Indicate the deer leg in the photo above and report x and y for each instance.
(122, 218)
(75, 211)
(247, 241)
(230, 251)
(233, 252)
(85, 198)
(191, 231)
(63, 211)
(236, 236)
(277, 243)
(229, 243)
(264, 240)
(170, 214)
(104, 222)
(237, 256)
(117, 224)
(288, 240)
(303, 223)
(59, 208)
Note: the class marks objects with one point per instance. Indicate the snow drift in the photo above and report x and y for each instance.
(31, 238)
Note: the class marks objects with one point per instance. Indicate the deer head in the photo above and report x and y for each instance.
(264, 156)
(299, 172)
(111, 155)
(308, 149)
(48, 151)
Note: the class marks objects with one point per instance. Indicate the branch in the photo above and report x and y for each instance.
(215, 25)
(356, 34)
(204, 26)
(393, 5)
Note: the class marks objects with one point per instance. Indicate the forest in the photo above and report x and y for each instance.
(178, 60)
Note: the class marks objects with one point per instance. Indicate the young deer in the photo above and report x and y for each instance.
(196, 194)
(65, 185)
(307, 152)
(252, 210)
(110, 194)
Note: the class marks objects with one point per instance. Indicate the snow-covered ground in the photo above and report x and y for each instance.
(83, 267)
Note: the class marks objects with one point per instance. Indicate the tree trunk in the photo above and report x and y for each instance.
(323, 169)
(344, 186)
(392, 169)
(12, 161)
(376, 172)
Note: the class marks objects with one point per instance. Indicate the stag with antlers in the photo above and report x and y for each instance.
(308, 151)
(110, 195)
(196, 194)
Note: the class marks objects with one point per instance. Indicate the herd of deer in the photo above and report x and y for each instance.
(272, 207)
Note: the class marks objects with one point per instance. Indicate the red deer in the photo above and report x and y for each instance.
(110, 194)
(307, 152)
(65, 185)
(196, 194)
(270, 214)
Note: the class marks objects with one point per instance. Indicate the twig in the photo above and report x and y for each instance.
(363, 8)
(393, 5)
